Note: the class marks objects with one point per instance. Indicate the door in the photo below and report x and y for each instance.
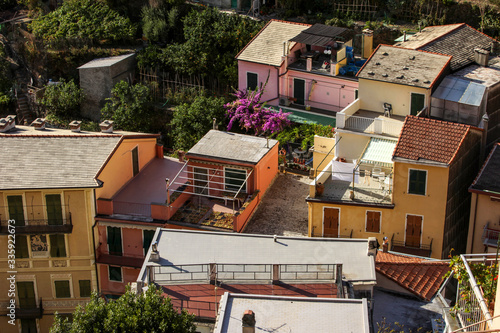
(413, 230)
(331, 222)
(234, 4)
(201, 180)
(299, 91)
(26, 293)
(417, 103)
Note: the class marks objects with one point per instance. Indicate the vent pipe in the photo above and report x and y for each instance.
(38, 123)
(75, 125)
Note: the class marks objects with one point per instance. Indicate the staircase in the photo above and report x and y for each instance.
(23, 110)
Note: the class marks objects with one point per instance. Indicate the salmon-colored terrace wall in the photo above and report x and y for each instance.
(118, 169)
(129, 275)
(263, 71)
(267, 169)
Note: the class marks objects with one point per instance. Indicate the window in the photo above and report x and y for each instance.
(417, 180)
(115, 241)
(26, 294)
(200, 180)
(252, 81)
(115, 273)
(417, 103)
(356, 94)
(54, 209)
(85, 289)
(62, 289)
(28, 326)
(57, 246)
(16, 211)
(148, 238)
(135, 161)
(234, 178)
(21, 247)
(373, 221)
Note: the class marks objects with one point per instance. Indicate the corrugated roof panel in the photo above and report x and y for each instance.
(379, 151)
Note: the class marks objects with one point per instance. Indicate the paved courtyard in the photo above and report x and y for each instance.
(283, 210)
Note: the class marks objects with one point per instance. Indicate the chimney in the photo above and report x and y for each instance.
(367, 43)
(75, 125)
(248, 322)
(372, 246)
(7, 123)
(481, 57)
(106, 126)
(39, 124)
(309, 64)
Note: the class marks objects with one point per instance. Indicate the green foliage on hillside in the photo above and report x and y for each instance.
(131, 108)
(85, 20)
(192, 121)
(146, 312)
(5, 80)
(63, 100)
(211, 41)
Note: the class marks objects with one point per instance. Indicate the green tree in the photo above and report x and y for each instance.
(83, 19)
(5, 80)
(131, 108)
(146, 312)
(191, 122)
(63, 100)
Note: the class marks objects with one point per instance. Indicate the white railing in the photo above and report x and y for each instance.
(360, 124)
(348, 111)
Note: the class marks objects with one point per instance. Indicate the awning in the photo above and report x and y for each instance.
(379, 152)
(305, 117)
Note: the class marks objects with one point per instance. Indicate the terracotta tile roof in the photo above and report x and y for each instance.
(202, 299)
(430, 139)
(487, 180)
(419, 276)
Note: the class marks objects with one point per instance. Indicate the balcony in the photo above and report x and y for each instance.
(472, 311)
(62, 225)
(421, 250)
(490, 236)
(353, 118)
(30, 313)
(125, 260)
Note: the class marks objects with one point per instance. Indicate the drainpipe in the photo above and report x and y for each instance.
(93, 243)
(474, 223)
(484, 138)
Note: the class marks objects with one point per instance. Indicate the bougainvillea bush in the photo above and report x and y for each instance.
(252, 115)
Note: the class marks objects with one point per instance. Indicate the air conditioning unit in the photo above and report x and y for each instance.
(284, 101)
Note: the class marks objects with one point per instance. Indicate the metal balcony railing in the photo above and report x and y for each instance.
(423, 250)
(125, 260)
(490, 236)
(39, 226)
(30, 312)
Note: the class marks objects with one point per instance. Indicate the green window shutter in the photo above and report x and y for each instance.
(62, 289)
(26, 294)
(252, 81)
(148, 238)
(16, 211)
(85, 289)
(418, 179)
(54, 209)
(21, 247)
(28, 326)
(115, 241)
(57, 246)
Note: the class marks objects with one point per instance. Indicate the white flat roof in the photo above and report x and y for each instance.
(293, 314)
(191, 247)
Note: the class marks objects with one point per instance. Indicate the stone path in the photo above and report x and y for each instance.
(283, 210)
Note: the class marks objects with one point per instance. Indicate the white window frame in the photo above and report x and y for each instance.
(323, 220)
(245, 188)
(426, 181)
(246, 78)
(121, 273)
(380, 221)
(421, 227)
